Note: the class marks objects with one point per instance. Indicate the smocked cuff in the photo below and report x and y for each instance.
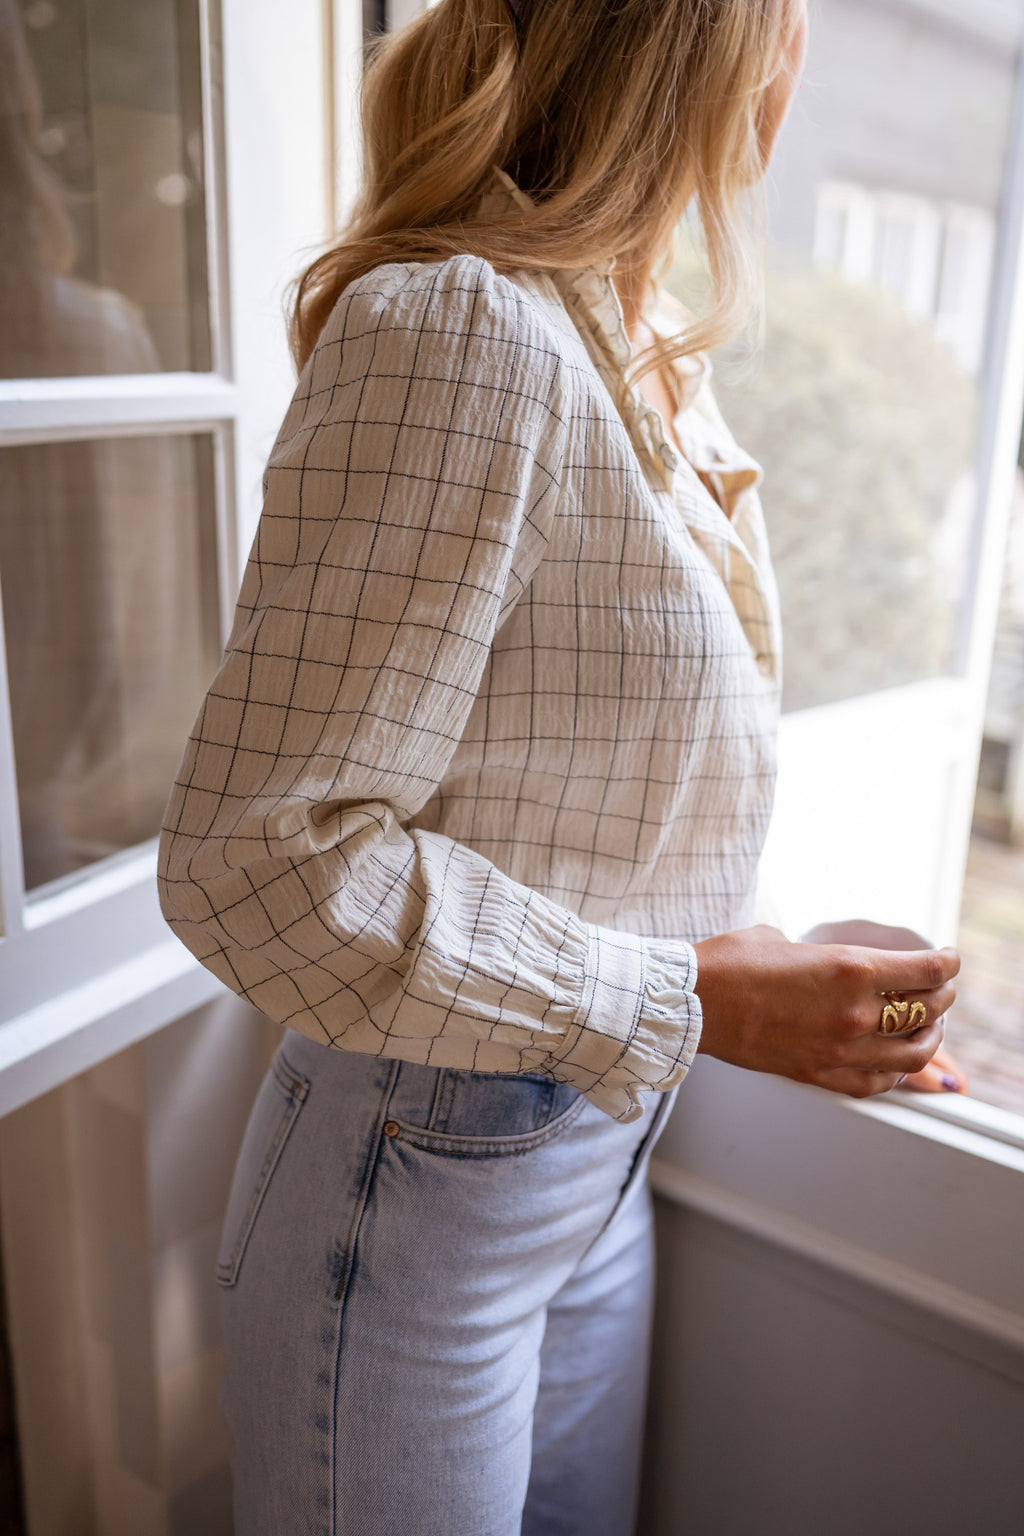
(639, 1022)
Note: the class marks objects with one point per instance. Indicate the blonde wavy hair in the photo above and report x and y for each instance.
(612, 115)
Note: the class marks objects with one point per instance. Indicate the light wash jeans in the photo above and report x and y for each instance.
(437, 1303)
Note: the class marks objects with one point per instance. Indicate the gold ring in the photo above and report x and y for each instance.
(900, 1017)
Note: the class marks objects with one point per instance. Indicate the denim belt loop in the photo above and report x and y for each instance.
(414, 1094)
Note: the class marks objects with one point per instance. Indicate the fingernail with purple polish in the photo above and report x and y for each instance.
(951, 1084)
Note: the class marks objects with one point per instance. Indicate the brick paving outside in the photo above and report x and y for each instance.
(985, 1030)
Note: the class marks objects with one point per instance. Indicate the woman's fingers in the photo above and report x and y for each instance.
(936, 1003)
(896, 1053)
(943, 1074)
(869, 1015)
(912, 970)
(888, 1061)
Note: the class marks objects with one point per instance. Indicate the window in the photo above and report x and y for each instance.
(117, 447)
(883, 203)
(134, 430)
(105, 259)
(107, 551)
(887, 414)
(885, 409)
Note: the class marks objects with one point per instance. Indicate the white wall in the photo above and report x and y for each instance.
(791, 1400)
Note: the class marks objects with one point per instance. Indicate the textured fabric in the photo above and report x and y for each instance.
(436, 1304)
(492, 743)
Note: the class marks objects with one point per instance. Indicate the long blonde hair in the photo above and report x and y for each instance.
(612, 115)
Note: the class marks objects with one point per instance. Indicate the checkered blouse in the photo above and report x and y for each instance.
(492, 742)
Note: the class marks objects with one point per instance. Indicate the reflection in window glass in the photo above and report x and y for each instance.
(107, 570)
(102, 250)
(883, 203)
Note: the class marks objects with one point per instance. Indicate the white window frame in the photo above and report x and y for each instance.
(89, 966)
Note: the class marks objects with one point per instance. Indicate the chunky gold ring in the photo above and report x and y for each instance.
(900, 1017)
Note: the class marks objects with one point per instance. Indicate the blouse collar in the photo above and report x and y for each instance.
(591, 298)
(729, 526)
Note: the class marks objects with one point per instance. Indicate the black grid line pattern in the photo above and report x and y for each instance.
(492, 742)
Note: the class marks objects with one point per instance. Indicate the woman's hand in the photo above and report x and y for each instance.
(811, 1011)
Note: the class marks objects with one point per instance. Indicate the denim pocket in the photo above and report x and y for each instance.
(275, 1111)
(490, 1114)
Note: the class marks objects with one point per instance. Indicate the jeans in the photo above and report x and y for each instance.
(437, 1303)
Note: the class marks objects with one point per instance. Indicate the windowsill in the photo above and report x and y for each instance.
(67, 1034)
(960, 1109)
(95, 883)
(920, 1201)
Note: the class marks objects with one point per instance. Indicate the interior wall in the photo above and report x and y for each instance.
(788, 1399)
(112, 1191)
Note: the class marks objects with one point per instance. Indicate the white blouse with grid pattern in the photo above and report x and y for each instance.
(492, 744)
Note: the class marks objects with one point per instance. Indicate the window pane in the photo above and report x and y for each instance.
(988, 1037)
(103, 254)
(883, 204)
(108, 574)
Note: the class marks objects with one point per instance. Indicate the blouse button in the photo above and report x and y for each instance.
(391, 1128)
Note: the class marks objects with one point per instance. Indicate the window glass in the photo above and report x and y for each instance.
(882, 207)
(989, 1019)
(103, 247)
(108, 579)
(986, 1029)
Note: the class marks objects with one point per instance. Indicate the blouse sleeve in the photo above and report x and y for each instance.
(407, 502)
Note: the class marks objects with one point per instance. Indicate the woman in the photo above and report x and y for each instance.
(478, 794)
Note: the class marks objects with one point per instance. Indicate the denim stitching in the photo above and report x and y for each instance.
(295, 1088)
(348, 1264)
(489, 1146)
(659, 1114)
(444, 1098)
